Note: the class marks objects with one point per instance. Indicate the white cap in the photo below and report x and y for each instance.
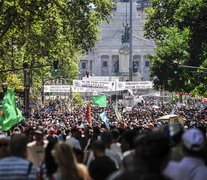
(193, 139)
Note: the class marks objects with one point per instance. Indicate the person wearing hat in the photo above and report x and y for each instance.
(36, 149)
(16, 130)
(51, 137)
(192, 166)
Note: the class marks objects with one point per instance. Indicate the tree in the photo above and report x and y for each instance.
(173, 48)
(77, 100)
(160, 14)
(40, 31)
(179, 30)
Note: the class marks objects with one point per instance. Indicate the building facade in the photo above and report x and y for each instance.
(110, 57)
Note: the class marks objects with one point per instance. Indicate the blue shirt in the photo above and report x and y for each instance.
(16, 168)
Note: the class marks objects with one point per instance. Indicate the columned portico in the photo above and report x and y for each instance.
(110, 55)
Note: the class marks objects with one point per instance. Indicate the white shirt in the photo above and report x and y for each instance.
(73, 142)
(111, 154)
(189, 168)
(117, 148)
(36, 153)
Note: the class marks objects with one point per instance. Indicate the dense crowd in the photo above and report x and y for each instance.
(62, 145)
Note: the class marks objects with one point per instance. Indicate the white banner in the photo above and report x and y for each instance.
(134, 85)
(97, 86)
(91, 86)
(57, 88)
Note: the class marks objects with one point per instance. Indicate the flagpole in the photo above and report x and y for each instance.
(130, 43)
(118, 115)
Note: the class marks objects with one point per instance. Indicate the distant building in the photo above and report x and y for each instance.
(110, 57)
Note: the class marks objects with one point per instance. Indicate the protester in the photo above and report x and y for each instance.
(106, 137)
(36, 149)
(73, 139)
(152, 151)
(78, 154)
(16, 130)
(116, 146)
(51, 137)
(102, 166)
(68, 168)
(29, 132)
(127, 146)
(192, 166)
(93, 135)
(4, 141)
(48, 167)
(16, 167)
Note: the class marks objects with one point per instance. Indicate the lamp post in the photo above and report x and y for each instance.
(26, 88)
(130, 43)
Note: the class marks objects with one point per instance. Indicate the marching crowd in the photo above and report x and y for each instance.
(66, 146)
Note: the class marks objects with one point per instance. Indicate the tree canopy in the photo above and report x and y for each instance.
(40, 31)
(178, 28)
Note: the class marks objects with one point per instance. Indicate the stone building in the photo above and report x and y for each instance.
(110, 57)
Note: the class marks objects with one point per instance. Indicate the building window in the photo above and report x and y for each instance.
(83, 65)
(90, 64)
(135, 66)
(147, 64)
(115, 63)
(104, 63)
(116, 66)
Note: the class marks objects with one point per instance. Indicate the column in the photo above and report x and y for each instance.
(110, 65)
(142, 65)
(97, 68)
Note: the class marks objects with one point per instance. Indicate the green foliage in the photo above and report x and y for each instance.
(176, 98)
(179, 30)
(77, 100)
(161, 14)
(13, 81)
(41, 31)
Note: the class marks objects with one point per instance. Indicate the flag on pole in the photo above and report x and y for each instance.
(82, 125)
(11, 114)
(88, 113)
(118, 115)
(173, 110)
(100, 100)
(111, 107)
(104, 118)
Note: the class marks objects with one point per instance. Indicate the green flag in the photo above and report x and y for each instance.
(11, 114)
(118, 115)
(100, 100)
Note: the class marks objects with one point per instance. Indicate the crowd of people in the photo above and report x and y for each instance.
(62, 145)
